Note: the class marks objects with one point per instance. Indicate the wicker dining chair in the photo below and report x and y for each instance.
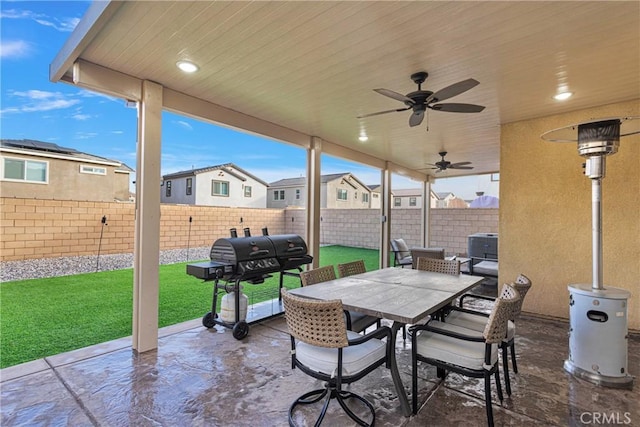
(323, 348)
(445, 266)
(317, 275)
(357, 322)
(454, 348)
(351, 268)
(474, 319)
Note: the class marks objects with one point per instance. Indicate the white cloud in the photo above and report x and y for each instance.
(81, 117)
(14, 49)
(117, 132)
(59, 24)
(185, 124)
(85, 135)
(39, 100)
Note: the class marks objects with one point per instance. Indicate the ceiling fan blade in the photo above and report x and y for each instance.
(453, 165)
(460, 167)
(416, 118)
(453, 90)
(457, 108)
(395, 95)
(383, 112)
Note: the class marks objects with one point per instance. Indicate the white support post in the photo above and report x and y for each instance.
(147, 221)
(313, 220)
(426, 213)
(385, 216)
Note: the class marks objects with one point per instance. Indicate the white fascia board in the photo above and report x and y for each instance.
(97, 16)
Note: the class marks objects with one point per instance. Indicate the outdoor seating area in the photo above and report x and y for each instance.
(201, 376)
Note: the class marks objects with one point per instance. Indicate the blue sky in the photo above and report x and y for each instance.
(31, 107)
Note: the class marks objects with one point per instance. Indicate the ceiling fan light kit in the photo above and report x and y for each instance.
(420, 100)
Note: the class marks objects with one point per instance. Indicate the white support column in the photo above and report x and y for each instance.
(385, 216)
(313, 199)
(147, 229)
(426, 213)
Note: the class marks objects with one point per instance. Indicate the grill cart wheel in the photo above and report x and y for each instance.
(208, 320)
(240, 330)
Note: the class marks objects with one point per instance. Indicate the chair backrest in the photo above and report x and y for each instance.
(446, 266)
(317, 275)
(351, 268)
(319, 323)
(522, 285)
(436, 253)
(399, 246)
(496, 328)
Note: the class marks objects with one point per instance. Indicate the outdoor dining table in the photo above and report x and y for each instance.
(404, 296)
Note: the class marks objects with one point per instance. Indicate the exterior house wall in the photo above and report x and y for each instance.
(66, 182)
(289, 197)
(179, 191)
(547, 237)
(354, 194)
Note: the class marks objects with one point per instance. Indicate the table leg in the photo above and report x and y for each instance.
(395, 373)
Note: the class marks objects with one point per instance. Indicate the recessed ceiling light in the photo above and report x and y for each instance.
(363, 138)
(563, 96)
(187, 67)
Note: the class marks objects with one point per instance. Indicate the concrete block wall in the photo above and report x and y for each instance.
(34, 228)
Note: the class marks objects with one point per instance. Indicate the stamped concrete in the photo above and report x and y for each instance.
(205, 377)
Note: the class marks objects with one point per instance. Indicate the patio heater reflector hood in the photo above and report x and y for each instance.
(597, 315)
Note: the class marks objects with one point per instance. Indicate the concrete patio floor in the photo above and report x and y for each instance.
(201, 377)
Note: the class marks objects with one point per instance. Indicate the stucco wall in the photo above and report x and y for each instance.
(545, 212)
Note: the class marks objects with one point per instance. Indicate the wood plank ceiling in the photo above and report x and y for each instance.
(311, 66)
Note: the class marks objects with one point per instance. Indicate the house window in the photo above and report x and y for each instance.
(189, 186)
(25, 170)
(412, 201)
(94, 170)
(375, 195)
(397, 202)
(342, 194)
(278, 195)
(219, 188)
(167, 188)
(298, 194)
(365, 197)
(247, 191)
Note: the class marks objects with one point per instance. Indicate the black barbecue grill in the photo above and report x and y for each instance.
(248, 259)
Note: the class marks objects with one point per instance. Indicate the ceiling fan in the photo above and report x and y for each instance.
(443, 164)
(420, 100)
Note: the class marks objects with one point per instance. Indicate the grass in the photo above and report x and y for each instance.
(43, 317)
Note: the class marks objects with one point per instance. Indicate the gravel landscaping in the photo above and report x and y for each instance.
(67, 266)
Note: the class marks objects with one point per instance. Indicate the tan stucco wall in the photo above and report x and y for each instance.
(67, 183)
(545, 212)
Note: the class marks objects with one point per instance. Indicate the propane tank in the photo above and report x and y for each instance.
(228, 307)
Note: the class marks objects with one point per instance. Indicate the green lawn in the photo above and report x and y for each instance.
(43, 317)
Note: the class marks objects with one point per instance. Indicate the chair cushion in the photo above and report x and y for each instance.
(403, 249)
(354, 358)
(467, 354)
(476, 322)
(489, 268)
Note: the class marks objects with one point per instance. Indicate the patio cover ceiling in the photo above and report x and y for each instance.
(298, 69)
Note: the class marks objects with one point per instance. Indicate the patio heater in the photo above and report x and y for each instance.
(597, 314)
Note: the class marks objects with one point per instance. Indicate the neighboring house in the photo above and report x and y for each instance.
(375, 196)
(220, 185)
(43, 170)
(337, 191)
(411, 198)
(450, 200)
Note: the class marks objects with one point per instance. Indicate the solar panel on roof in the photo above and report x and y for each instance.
(38, 145)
